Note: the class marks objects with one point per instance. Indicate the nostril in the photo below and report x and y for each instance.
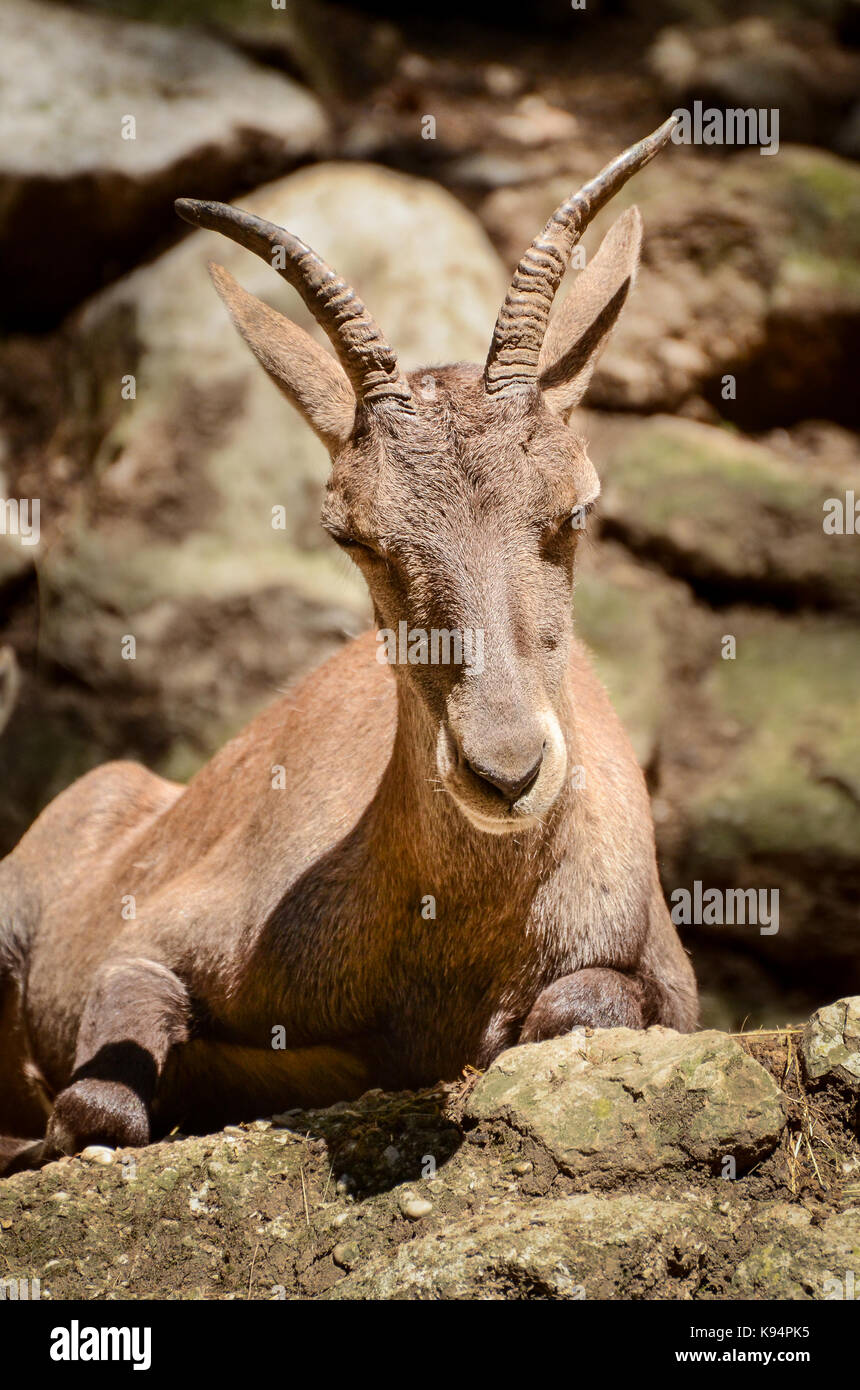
(512, 786)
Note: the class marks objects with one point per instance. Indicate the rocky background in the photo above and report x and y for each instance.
(156, 506)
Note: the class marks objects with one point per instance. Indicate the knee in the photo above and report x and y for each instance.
(593, 998)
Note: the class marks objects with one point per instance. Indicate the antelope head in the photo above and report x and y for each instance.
(461, 492)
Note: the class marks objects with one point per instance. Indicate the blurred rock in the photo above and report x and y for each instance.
(83, 192)
(627, 615)
(10, 682)
(734, 518)
(337, 52)
(792, 65)
(772, 802)
(749, 267)
(751, 750)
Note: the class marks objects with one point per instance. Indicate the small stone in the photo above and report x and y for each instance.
(521, 1167)
(97, 1153)
(345, 1255)
(416, 1207)
(831, 1042)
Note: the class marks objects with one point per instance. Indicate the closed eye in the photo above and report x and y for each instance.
(573, 519)
(581, 512)
(346, 541)
(560, 535)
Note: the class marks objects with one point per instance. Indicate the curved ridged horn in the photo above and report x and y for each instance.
(512, 363)
(364, 354)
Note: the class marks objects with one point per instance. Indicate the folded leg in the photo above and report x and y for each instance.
(593, 998)
(137, 1011)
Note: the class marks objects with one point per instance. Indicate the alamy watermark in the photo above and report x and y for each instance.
(717, 907)
(733, 126)
(437, 647)
(23, 1290)
(842, 515)
(21, 517)
(76, 1343)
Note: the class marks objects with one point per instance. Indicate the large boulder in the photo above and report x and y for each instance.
(83, 192)
(737, 519)
(760, 788)
(622, 1101)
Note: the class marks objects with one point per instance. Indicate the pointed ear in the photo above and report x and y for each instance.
(580, 330)
(309, 376)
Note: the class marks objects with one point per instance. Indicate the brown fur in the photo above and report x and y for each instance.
(301, 908)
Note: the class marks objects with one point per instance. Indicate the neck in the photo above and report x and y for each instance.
(420, 815)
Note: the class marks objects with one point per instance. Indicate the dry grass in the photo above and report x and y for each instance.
(819, 1155)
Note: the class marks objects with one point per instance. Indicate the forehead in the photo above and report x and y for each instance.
(466, 448)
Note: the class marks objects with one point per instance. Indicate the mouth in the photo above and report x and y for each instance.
(490, 811)
(502, 824)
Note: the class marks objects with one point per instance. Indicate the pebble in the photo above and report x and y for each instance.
(522, 1167)
(416, 1207)
(97, 1153)
(345, 1255)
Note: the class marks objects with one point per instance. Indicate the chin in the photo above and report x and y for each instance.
(495, 824)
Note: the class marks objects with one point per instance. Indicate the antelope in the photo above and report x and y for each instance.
(427, 884)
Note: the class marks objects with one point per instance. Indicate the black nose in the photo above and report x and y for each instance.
(511, 784)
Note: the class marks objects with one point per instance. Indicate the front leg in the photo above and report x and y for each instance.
(593, 998)
(136, 1012)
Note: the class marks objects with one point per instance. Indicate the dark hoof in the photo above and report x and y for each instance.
(589, 998)
(97, 1112)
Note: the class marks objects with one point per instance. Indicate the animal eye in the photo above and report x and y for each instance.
(579, 515)
(346, 541)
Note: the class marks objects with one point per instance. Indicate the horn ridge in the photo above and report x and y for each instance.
(512, 362)
(366, 357)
